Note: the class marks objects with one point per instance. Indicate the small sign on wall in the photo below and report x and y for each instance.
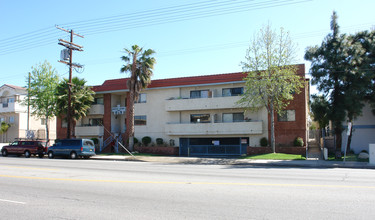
(243, 141)
(216, 143)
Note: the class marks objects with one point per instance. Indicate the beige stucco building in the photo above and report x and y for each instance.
(197, 113)
(13, 112)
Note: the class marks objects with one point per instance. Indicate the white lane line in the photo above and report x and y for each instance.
(4, 200)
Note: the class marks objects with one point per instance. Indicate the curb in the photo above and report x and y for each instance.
(240, 162)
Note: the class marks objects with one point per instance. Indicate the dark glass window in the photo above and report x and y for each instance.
(199, 94)
(140, 120)
(232, 91)
(200, 118)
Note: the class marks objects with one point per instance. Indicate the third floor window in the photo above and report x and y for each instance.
(232, 91)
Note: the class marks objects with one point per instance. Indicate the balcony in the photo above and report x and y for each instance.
(234, 128)
(202, 103)
(12, 107)
(81, 131)
(96, 109)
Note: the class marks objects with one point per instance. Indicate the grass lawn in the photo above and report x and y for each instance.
(349, 157)
(276, 156)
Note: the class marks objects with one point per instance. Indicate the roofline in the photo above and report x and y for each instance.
(171, 87)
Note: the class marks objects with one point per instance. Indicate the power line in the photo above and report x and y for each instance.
(140, 19)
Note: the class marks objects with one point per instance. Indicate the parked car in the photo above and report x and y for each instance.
(25, 147)
(72, 148)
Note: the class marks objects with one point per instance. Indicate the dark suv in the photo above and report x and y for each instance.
(26, 147)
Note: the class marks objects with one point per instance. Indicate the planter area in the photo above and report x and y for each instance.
(167, 151)
(285, 150)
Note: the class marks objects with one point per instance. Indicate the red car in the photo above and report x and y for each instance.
(25, 147)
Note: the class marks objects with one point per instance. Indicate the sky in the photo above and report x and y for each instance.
(190, 37)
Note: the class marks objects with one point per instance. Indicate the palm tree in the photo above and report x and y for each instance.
(81, 99)
(139, 64)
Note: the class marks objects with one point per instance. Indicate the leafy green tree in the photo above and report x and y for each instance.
(320, 109)
(340, 68)
(81, 99)
(328, 72)
(140, 64)
(41, 92)
(271, 79)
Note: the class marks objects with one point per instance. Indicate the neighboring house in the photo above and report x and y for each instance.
(199, 114)
(15, 114)
(363, 132)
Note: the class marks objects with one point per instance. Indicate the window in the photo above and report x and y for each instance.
(11, 119)
(96, 121)
(200, 118)
(2, 119)
(233, 117)
(43, 121)
(64, 123)
(287, 115)
(98, 100)
(140, 120)
(142, 98)
(198, 94)
(232, 91)
(10, 100)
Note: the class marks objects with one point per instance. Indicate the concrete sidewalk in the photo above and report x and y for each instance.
(244, 162)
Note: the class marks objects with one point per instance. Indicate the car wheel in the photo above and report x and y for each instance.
(4, 153)
(27, 154)
(73, 155)
(51, 155)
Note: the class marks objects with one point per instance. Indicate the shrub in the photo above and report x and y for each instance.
(263, 142)
(96, 140)
(298, 142)
(159, 141)
(146, 140)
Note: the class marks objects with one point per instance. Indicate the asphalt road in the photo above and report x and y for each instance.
(33, 188)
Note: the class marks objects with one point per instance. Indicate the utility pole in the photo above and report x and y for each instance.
(70, 46)
(28, 110)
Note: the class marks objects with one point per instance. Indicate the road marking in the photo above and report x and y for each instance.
(183, 183)
(29, 168)
(4, 200)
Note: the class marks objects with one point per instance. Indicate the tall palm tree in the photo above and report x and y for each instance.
(81, 99)
(139, 64)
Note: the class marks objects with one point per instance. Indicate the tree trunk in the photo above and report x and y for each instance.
(349, 139)
(338, 134)
(47, 131)
(130, 119)
(273, 144)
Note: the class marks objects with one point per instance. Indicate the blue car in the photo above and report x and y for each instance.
(72, 148)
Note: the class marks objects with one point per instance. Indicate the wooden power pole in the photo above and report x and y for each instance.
(70, 47)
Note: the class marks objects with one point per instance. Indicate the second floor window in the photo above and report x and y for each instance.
(200, 118)
(141, 98)
(198, 94)
(287, 115)
(233, 117)
(232, 91)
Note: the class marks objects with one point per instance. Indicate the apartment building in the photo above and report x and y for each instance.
(198, 114)
(13, 112)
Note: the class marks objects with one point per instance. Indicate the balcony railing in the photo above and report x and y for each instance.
(227, 128)
(89, 131)
(187, 104)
